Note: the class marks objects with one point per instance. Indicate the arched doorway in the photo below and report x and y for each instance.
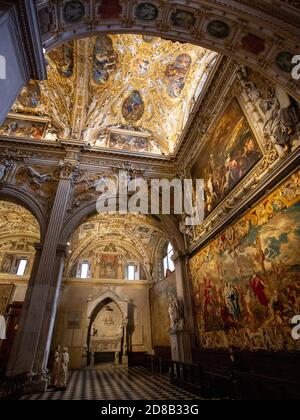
(19, 234)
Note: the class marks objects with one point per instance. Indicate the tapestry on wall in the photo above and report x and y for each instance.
(246, 284)
(5, 294)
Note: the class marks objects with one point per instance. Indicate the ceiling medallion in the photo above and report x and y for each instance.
(146, 11)
(73, 11)
(218, 29)
(133, 107)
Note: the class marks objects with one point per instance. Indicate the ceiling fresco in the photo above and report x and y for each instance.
(131, 93)
(14, 218)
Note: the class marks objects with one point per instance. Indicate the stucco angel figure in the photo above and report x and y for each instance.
(63, 371)
(281, 119)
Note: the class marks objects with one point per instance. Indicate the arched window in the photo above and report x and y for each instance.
(169, 266)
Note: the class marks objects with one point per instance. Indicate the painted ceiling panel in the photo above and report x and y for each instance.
(126, 92)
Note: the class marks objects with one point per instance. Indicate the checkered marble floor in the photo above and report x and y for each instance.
(116, 384)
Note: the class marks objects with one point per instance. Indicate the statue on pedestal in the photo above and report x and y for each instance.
(2, 328)
(63, 371)
(176, 313)
(55, 366)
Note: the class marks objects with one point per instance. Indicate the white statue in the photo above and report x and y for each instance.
(55, 366)
(5, 166)
(176, 313)
(2, 328)
(63, 371)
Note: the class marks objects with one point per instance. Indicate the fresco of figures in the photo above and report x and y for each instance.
(176, 75)
(129, 143)
(105, 59)
(62, 59)
(133, 107)
(246, 284)
(230, 154)
(30, 96)
(28, 129)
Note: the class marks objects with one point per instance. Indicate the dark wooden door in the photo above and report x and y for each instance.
(12, 325)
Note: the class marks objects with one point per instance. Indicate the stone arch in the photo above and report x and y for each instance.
(142, 257)
(79, 215)
(16, 195)
(274, 29)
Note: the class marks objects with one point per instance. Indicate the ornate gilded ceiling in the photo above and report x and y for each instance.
(16, 221)
(132, 93)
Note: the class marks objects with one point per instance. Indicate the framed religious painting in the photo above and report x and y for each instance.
(25, 126)
(230, 153)
(129, 141)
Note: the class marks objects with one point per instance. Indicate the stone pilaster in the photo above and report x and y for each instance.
(31, 349)
(182, 341)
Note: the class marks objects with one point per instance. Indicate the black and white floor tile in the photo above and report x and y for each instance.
(116, 384)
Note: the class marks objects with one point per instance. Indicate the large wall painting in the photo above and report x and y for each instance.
(230, 154)
(246, 284)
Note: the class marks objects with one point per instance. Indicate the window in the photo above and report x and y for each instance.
(22, 267)
(131, 272)
(85, 270)
(169, 266)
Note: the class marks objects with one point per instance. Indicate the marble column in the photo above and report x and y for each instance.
(31, 349)
(182, 340)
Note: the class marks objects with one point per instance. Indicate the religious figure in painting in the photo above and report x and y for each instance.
(63, 59)
(259, 289)
(176, 75)
(232, 299)
(31, 95)
(133, 107)
(105, 59)
(231, 152)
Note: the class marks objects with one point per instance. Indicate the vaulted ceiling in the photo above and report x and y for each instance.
(126, 92)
